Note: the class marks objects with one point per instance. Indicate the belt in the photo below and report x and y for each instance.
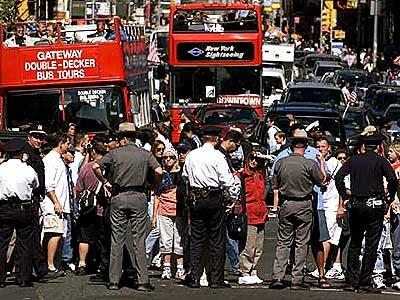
(202, 193)
(375, 202)
(297, 199)
(206, 189)
(139, 189)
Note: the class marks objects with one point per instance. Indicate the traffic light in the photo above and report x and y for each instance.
(333, 15)
(325, 19)
(351, 4)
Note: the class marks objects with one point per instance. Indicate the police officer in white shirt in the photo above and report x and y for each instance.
(208, 174)
(17, 181)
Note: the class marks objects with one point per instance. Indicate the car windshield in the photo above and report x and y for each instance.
(316, 95)
(92, 109)
(354, 122)
(206, 84)
(383, 100)
(310, 61)
(393, 114)
(360, 80)
(270, 82)
(229, 116)
(322, 70)
(329, 127)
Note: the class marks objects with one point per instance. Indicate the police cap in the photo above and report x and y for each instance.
(373, 139)
(211, 131)
(15, 145)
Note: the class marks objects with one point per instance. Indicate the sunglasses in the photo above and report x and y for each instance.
(256, 158)
(160, 149)
(342, 157)
(169, 157)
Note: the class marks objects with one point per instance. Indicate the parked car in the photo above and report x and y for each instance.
(322, 67)
(358, 79)
(311, 59)
(382, 100)
(314, 92)
(329, 118)
(221, 115)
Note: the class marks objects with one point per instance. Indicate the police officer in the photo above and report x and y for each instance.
(367, 208)
(17, 181)
(208, 173)
(294, 176)
(127, 167)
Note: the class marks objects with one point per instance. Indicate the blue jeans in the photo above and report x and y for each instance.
(232, 250)
(396, 245)
(379, 268)
(68, 252)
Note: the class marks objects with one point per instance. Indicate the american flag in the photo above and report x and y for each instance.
(153, 53)
(353, 96)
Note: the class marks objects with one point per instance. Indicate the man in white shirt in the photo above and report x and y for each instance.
(17, 182)
(208, 173)
(56, 201)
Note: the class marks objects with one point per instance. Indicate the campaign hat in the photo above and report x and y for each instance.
(299, 137)
(127, 127)
(15, 145)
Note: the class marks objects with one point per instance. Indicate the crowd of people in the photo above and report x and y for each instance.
(116, 203)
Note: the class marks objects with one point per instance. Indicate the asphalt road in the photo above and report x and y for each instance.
(74, 287)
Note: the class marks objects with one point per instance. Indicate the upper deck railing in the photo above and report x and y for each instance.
(51, 53)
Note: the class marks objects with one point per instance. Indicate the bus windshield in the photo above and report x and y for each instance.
(223, 20)
(91, 108)
(205, 84)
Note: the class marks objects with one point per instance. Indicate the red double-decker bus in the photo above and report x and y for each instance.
(76, 75)
(214, 56)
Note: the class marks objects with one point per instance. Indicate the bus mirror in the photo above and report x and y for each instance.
(135, 106)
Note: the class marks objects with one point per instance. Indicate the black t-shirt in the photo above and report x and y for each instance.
(35, 161)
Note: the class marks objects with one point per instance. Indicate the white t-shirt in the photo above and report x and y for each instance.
(57, 181)
(331, 195)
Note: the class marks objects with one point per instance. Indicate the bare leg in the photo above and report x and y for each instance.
(83, 251)
(52, 250)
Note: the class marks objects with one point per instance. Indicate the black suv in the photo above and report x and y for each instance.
(330, 121)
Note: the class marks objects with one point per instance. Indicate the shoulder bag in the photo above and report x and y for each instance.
(237, 222)
(87, 200)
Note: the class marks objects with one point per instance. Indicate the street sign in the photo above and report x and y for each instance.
(339, 34)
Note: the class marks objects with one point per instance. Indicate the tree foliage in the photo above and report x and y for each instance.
(7, 10)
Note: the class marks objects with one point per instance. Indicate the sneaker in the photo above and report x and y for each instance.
(180, 273)
(71, 266)
(81, 271)
(157, 261)
(378, 283)
(166, 273)
(246, 280)
(334, 274)
(203, 280)
(314, 274)
(396, 286)
(257, 279)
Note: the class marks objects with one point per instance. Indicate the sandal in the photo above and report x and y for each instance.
(323, 283)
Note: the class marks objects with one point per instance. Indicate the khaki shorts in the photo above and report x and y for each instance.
(54, 224)
(171, 232)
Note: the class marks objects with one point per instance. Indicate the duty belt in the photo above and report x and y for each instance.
(374, 202)
(202, 193)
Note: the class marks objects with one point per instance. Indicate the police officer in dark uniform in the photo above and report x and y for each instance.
(208, 174)
(17, 182)
(32, 147)
(367, 208)
(127, 168)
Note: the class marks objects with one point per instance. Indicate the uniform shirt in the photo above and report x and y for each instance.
(128, 166)
(17, 179)
(366, 176)
(57, 181)
(295, 176)
(36, 162)
(310, 153)
(207, 167)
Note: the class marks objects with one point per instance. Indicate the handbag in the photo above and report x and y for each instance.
(87, 200)
(237, 222)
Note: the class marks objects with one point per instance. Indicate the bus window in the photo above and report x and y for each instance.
(24, 109)
(94, 108)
